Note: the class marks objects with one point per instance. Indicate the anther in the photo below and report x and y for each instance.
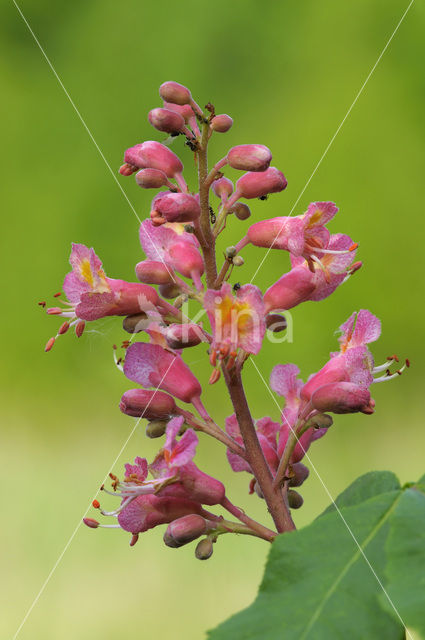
(96, 504)
(79, 328)
(57, 295)
(407, 362)
(42, 303)
(215, 376)
(134, 539)
(93, 524)
(354, 246)
(49, 344)
(54, 311)
(63, 328)
(393, 357)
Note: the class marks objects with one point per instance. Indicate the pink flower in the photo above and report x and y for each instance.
(152, 405)
(267, 431)
(136, 472)
(175, 460)
(237, 320)
(176, 247)
(174, 207)
(285, 382)
(353, 366)
(91, 295)
(148, 511)
(302, 284)
(152, 366)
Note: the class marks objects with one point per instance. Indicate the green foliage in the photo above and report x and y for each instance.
(328, 579)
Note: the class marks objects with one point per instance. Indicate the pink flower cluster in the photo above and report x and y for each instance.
(179, 239)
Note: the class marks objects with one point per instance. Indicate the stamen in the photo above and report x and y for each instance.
(57, 295)
(215, 376)
(134, 539)
(80, 328)
(390, 376)
(338, 251)
(49, 344)
(96, 504)
(93, 524)
(42, 304)
(63, 328)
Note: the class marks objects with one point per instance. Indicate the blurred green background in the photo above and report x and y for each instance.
(286, 72)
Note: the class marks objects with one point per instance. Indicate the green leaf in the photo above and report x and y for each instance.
(317, 583)
(405, 549)
(365, 487)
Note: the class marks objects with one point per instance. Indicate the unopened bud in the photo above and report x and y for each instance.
(259, 184)
(175, 92)
(230, 252)
(177, 207)
(186, 259)
(221, 123)
(152, 405)
(299, 474)
(180, 336)
(169, 291)
(204, 549)
(222, 187)
(294, 499)
(238, 261)
(184, 110)
(156, 428)
(320, 421)
(166, 120)
(151, 179)
(276, 322)
(185, 530)
(136, 323)
(153, 272)
(343, 397)
(249, 157)
(241, 210)
(154, 155)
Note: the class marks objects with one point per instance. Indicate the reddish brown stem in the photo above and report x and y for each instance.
(272, 495)
(263, 531)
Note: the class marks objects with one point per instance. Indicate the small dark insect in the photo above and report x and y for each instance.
(262, 198)
(212, 215)
(192, 144)
(237, 286)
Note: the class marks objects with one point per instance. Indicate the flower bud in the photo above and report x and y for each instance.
(230, 252)
(342, 397)
(185, 530)
(223, 187)
(180, 336)
(166, 120)
(169, 291)
(156, 428)
(294, 499)
(154, 155)
(241, 210)
(204, 549)
(221, 123)
(184, 110)
(135, 323)
(175, 93)
(186, 259)
(153, 272)
(299, 475)
(259, 184)
(151, 179)
(249, 157)
(177, 207)
(238, 261)
(276, 322)
(152, 405)
(290, 290)
(320, 421)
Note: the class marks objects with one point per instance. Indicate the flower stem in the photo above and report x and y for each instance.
(255, 457)
(261, 530)
(208, 245)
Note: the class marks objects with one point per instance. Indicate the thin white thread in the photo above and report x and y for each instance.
(334, 136)
(313, 466)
